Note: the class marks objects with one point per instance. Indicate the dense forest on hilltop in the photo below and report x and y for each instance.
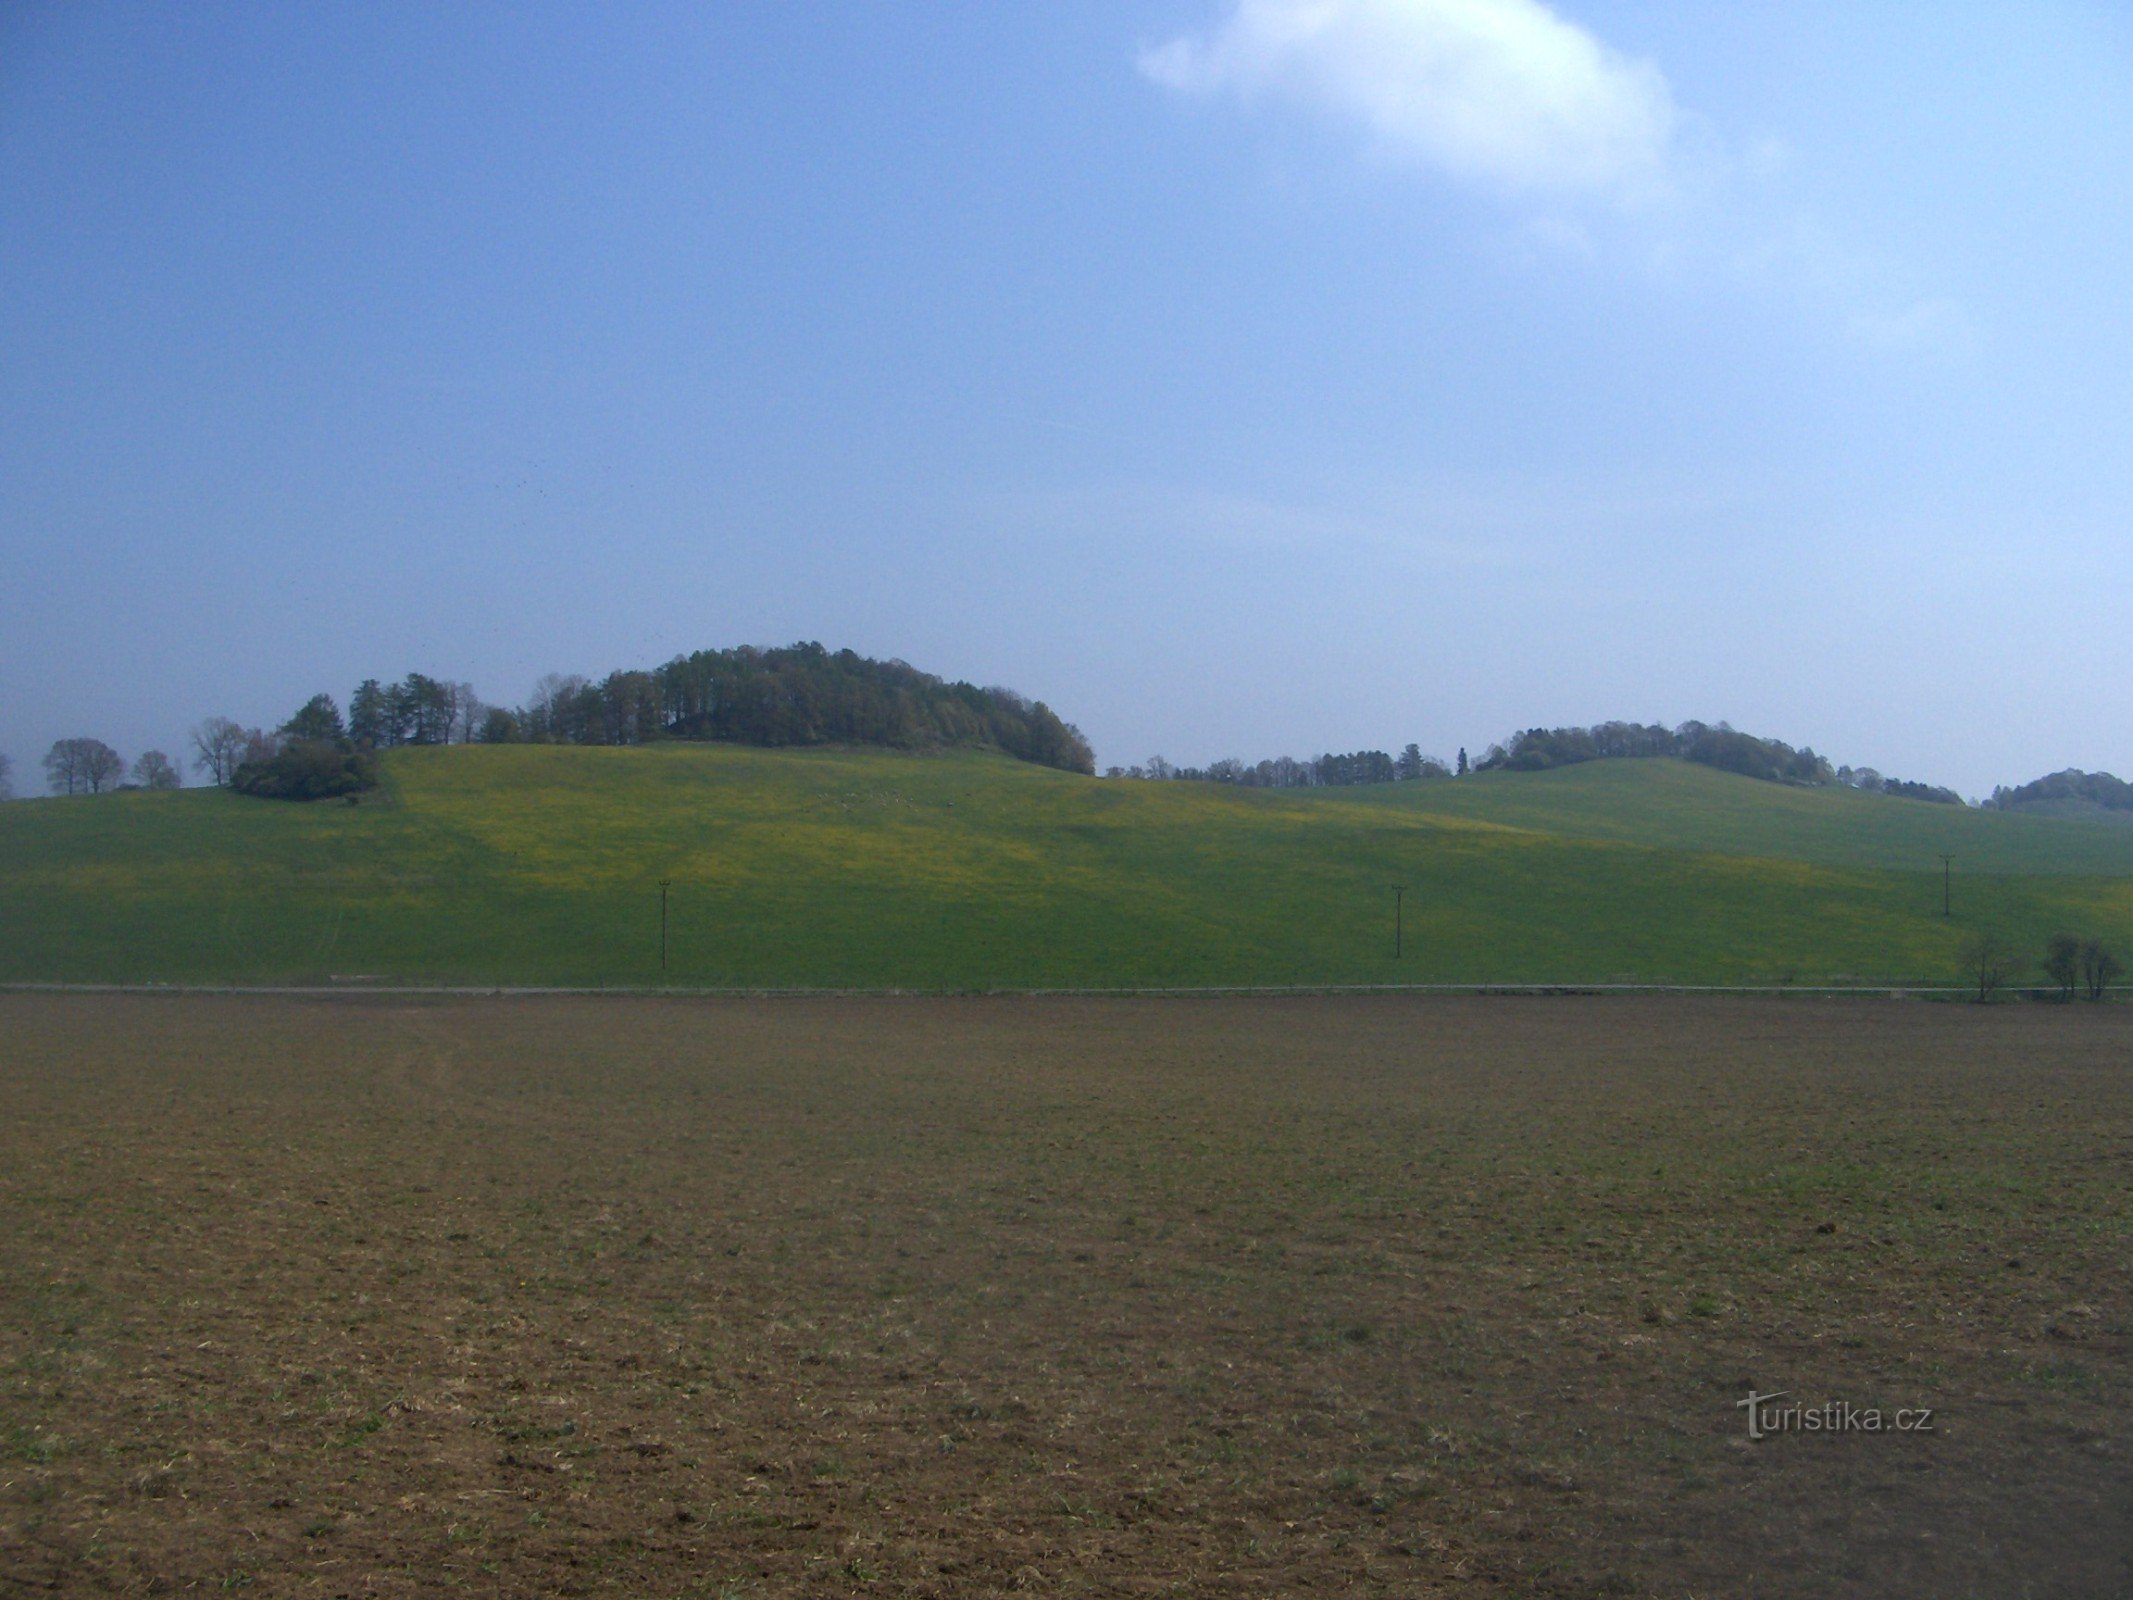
(2070, 791)
(801, 694)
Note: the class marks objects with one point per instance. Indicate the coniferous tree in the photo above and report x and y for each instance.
(369, 715)
(318, 718)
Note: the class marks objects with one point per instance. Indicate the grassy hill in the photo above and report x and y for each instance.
(1677, 805)
(540, 864)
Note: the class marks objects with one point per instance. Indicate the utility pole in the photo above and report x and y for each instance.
(1947, 871)
(663, 882)
(1399, 896)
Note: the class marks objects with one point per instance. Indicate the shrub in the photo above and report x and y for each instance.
(307, 769)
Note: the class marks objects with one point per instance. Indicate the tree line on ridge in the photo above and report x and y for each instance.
(1716, 745)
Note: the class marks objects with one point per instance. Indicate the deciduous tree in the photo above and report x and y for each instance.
(218, 748)
(499, 726)
(154, 771)
(467, 713)
(1991, 962)
(2062, 963)
(82, 766)
(2099, 967)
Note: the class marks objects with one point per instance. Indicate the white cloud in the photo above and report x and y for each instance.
(1503, 93)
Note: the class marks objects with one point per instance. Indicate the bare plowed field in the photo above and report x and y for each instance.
(931, 1297)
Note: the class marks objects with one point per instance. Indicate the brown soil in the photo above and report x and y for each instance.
(1254, 1297)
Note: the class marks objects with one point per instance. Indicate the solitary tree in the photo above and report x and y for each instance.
(7, 787)
(2098, 967)
(154, 771)
(82, 766)
(1462, 761)
(218, 748)
(1990, 962)
(2062, 963)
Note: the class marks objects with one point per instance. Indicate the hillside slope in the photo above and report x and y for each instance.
(1677, 805)
(540, 864)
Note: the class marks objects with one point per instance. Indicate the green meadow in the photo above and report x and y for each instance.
(864, 869)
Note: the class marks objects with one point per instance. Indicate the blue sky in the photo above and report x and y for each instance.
(1240, 379)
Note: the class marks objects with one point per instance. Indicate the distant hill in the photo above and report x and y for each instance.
(2069, 793)
(844, 867)
(1717, 745)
